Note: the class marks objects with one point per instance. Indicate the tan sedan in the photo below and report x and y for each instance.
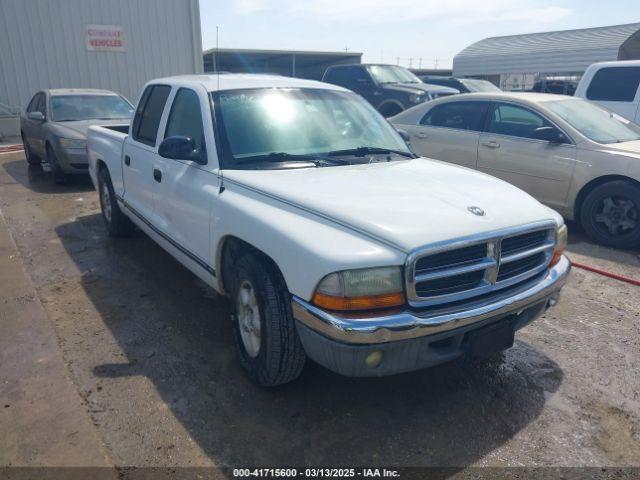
(572, 155)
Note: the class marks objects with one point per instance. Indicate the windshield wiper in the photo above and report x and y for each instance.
(278, 157)
(363, 151)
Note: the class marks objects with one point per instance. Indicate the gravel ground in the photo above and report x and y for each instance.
(149, 349)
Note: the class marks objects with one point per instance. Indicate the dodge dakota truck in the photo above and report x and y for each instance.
(305, 207)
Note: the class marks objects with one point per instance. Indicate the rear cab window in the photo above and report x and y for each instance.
(458, 115)
(614, 84)
(148, 114)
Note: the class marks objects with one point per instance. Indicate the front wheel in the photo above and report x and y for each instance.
(263, 327)
(32, 158)
(59, 176)
(117, 223)
(610, 214)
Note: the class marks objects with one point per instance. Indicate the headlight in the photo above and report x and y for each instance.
(416, 98)
(73, 144)
(561, 244)
(364, 289)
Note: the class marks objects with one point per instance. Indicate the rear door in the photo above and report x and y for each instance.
(508, 150)
(186, 194)
(616, 88)
(450, 132)
(139, 171)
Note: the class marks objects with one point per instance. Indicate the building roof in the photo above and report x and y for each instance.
(548, 52)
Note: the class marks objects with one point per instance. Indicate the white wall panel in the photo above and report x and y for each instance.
(42, 45)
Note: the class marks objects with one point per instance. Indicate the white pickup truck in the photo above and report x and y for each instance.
(298, 201)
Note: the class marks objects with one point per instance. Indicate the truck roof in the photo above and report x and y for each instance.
(234, 81)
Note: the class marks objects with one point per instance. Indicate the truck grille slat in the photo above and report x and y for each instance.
(489, 265)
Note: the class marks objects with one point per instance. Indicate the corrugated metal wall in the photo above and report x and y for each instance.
(42, 45)
(568, 51)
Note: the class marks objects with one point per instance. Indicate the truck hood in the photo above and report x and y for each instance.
(406, 204)
(417, 88)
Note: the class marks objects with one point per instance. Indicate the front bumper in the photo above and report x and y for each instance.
(72, 160)
(416, 338)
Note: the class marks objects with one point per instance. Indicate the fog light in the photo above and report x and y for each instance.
(374, 359)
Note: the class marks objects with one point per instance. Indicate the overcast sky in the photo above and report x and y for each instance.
(387, 29)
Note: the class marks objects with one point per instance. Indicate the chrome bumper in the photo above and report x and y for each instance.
(416, 323)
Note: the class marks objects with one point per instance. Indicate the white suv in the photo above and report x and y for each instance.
(614, 85)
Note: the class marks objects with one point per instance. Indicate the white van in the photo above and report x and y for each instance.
(614, 85)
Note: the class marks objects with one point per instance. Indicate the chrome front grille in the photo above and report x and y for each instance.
(479, 265)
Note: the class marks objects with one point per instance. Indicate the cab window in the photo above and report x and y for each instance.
(458, 115)
(185, 119)
(515, 121)
(148, 114)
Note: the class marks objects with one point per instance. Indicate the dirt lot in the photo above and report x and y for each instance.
(147, 348)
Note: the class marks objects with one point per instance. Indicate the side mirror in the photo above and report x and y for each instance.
(37, 116)
(180, 148)
(405, 136)
(549, 134)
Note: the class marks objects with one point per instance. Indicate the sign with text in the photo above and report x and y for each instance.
(105, 38)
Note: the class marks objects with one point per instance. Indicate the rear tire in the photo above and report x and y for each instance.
(263, 327)
(610, 214)
(31, 158)
(59, 176)
(116, 222)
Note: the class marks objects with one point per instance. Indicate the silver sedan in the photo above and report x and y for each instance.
(572, 155)
(54, 126)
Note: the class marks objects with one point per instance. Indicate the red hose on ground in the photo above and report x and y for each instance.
(10, 148)
(599, 271)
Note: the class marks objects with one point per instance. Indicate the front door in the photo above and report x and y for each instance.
(186, 194)
(508, 150)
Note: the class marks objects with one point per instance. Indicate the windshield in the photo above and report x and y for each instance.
(595, 122)
(256, 124)
(479, 85)
(67, 108)
(392, 74)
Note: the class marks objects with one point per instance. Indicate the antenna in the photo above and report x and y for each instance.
(215, 59)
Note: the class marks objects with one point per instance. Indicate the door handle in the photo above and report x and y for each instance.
(157, 175)
(491, 144)
(127, 160)
(421, 135)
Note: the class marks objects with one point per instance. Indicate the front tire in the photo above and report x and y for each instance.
(610, 214)
(32, 159)
(263, 327)
(59, 176)
(116, 222)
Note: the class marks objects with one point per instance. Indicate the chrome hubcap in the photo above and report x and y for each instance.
(106, 202)
(618, 215)
(249, 318)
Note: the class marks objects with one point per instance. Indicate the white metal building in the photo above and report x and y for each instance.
(525, 58)
(113, 44)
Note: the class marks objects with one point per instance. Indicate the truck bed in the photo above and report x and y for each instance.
(104, 144)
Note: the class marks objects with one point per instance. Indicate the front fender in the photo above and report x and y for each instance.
(304, 246)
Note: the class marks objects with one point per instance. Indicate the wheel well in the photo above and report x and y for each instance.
(596, 183)
(231, 247)
(100, 164)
